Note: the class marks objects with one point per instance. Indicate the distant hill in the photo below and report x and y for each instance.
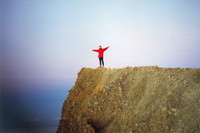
(133, 100)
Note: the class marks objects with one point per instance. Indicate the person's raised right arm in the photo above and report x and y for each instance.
(95, 50)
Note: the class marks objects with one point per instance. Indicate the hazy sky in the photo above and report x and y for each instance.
(47, 42)
(51, 40)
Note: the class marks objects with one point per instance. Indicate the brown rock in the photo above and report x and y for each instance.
(138, 100)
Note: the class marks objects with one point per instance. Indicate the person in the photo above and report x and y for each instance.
(100, 56)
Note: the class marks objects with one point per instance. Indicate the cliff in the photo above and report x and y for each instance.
(133, 100)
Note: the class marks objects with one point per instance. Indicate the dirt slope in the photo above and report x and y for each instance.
(133, 100)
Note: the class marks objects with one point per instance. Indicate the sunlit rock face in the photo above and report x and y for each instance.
(133, 100)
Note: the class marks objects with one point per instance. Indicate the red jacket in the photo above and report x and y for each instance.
(101, 51)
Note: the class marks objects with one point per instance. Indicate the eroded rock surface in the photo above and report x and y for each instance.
(133, 100)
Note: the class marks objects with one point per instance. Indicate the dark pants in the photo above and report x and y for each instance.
(101, 61)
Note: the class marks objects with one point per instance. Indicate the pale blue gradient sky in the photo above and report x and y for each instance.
(52, 40)
(45, 43)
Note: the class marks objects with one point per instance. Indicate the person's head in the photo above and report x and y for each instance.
(100, 47)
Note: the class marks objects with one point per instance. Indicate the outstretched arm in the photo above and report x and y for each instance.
(95, 50)
(106, 48)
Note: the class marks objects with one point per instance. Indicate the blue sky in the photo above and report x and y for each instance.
(45, 43)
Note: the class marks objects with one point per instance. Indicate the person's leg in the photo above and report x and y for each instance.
(100, 61)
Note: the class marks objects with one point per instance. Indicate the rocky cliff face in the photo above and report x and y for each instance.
(133, 100)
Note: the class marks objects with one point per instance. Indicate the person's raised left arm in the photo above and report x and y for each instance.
(106, 48)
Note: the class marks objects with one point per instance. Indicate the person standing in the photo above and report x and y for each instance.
(100, 56)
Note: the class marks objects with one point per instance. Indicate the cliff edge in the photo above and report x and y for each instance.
(133, 100)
